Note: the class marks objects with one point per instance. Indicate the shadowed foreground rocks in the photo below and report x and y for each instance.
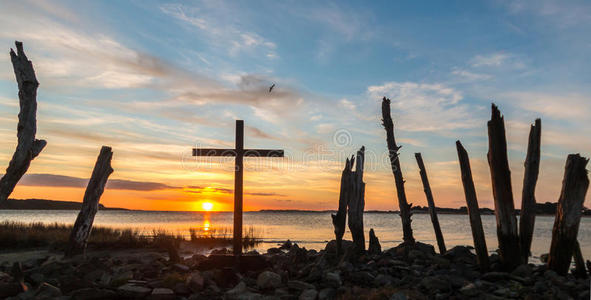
(286, 272)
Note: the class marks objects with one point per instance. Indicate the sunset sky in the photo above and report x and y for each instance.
(155, 79)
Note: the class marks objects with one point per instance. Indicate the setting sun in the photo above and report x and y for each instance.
(207, 206)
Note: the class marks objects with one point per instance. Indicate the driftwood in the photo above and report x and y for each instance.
(568, 214)
(94, 190)
(374, 243)
(405, 213)
(338, 220)
(356, 202)
(528, 199)
(500, 174)
(431, 203)
(473, 210)
(580, 270)
(28, 147)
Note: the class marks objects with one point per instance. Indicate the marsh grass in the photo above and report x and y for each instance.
(18, 235)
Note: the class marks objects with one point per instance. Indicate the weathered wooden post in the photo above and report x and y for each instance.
(356, 203)
(580, 270)
(500, 174)
(374, 243)
(27, 147)
(339, 219)
(568, 213)
(431, 203)
(473, 210)
(528, 198)
(94, 190)
(405, 213)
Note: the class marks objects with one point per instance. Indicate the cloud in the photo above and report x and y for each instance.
(561, 13)
(572, 107)
(266, 194)
(470, 76)
(425, 107)
(53, 180)
(497, 59)
(259, 133)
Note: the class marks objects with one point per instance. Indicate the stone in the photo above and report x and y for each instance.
(268, 280)
(522, 271)
(299, 285)
(133, 291)
(122, 278)
(37, 278)
(327, 293)
(240, 292)
(333, 279)
(398, 296)
(181, 267)
(47, 290)
(469, 290)
(435, 283)
(161, 294)
(310, 294)
(495, 276)
(93, 294)
(544, 258)
(195, 282)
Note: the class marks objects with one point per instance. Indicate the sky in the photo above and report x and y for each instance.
(153, 79)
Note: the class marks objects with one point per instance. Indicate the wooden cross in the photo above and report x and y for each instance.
(239, 152)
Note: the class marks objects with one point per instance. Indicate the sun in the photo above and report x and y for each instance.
(207, 206)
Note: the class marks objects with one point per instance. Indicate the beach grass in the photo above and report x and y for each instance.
(19, 235)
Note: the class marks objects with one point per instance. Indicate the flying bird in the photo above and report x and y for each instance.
(271, 88)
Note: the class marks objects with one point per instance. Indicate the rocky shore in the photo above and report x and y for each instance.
(285, 272)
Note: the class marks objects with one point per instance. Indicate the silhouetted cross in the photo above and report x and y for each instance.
(239, 153)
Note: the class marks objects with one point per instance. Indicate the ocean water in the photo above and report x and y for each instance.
(309, 229)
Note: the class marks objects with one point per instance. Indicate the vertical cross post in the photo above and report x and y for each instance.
(238, 176)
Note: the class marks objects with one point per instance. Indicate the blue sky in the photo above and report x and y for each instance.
(154, 78)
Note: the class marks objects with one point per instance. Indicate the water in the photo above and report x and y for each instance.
(309, 229)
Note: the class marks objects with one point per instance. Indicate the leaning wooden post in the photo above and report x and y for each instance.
(500, 174)
(568, 214)
(528, 199)
(405, 213)
(94, 190)
(356, 203)
(473, 210)
(338, 220)
(580, 270)
(27, 147)
(432, 211)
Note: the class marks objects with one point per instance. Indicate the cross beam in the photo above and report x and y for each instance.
(239, 152)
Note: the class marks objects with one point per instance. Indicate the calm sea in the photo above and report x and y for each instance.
(309, 229)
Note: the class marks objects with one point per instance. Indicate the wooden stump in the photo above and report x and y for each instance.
(528, 199)
(568, 214)
(374, 243)
(94, 190)
(431, 203)
(405, 213)
(27, 147)
(338, 220)
(500, 174)
(356, 203)
(473, 210)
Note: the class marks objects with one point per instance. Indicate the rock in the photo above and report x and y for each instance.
(47, 291)
(133, 291)
(435, 283)
(544, 258)
(299, 285)
(310, 294)
(384, 279)
(122, 278)
(37, 278)
(181, 268)
(9, 289)
(240, 292)
(93, 294)
(274, 251)
(161, 294)
(469, 290)
(363, 278)
(286, 245)
(398, 296)
(522, 271)
(327, 294)
(268, 280)
(495, 276)
(333, 279)
(195, 282)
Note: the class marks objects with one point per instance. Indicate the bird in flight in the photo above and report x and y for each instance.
(271, 88)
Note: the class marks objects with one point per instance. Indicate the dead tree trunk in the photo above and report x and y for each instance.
(28, 147)
(374, 243)
(580, 270)
(94, 190)
(568, 213)
(338, 220)
(500, 174)
(528, 199)
(431, 203)
(357, 203)
(473, 210)
(405, 213)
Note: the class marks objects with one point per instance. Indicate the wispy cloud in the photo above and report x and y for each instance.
(53, 180)
(497, 59)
